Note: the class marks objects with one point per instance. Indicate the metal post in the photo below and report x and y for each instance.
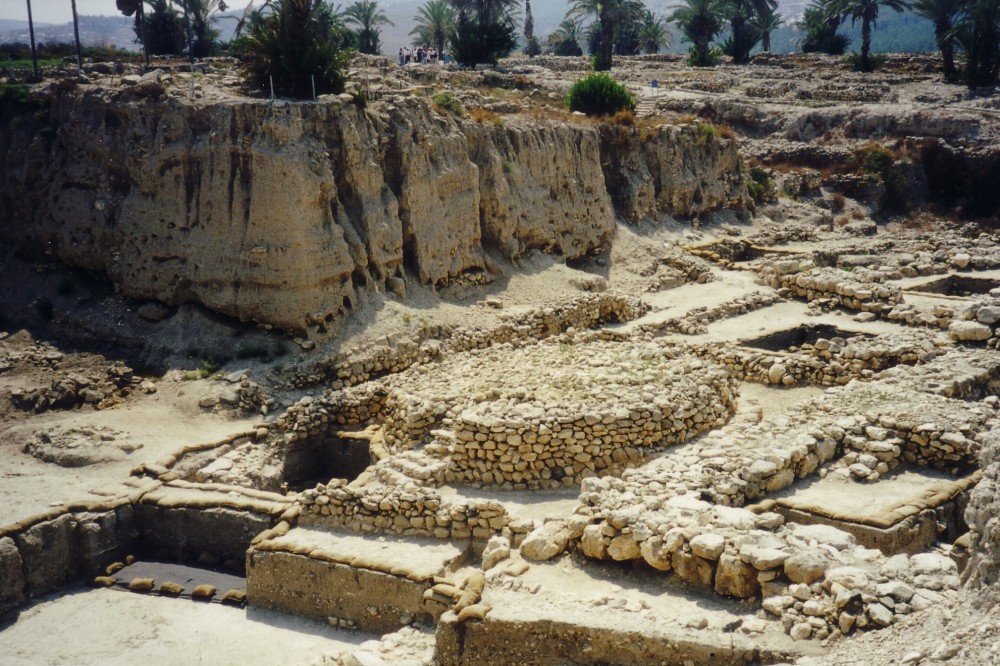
(313, 77)
(31, 32)
(271, 79)
(76, 34)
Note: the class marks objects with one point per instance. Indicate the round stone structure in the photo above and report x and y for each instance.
(549, 414)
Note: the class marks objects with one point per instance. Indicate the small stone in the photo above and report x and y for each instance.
(777, 605)
(813, 608)
(897, 590)
(827, 535)
(708, 546)
(805, 567)
(497, 550)
(969, 331)
(860, 470)
(879, 614)
(988, 314)
(767, 558)
(624, 547)
(734, 578)
(800, 592)
(851, 578)
(933, 563)
(960, 260)
(801, 631)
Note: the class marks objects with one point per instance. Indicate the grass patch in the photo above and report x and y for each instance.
(448, 103)
(481, 115)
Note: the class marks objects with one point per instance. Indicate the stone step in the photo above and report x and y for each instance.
(369, 582)
(574, 616)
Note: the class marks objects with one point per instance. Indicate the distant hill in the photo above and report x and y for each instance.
(94, 31)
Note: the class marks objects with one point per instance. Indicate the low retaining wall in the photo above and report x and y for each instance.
(349, 580)
(553, 642)
(43, 553)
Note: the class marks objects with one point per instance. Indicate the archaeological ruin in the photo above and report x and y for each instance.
(365, 380)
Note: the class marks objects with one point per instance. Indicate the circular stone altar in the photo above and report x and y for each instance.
(552, 413)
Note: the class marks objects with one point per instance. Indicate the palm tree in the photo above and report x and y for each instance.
(609, 14)
(435, 20)
(978, 33)
(865, 11)
(487, 11)
(701, 22)
(653, 33)
(743, 35)
(163, 29)
(565, 40)
(820, 28)
(943, 14)
(765, 23)
(367, 17)
(485, 30)
(203, 35)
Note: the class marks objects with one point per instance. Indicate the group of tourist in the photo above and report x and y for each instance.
(423, 55)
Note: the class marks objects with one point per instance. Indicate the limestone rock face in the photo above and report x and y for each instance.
(541, 188)
(286, 214)
(667, 172)
(983, 517)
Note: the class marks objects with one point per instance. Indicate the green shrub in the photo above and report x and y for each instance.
(207, 367)
(760, 186)
(857, 63)
(879, 163)
(292, 43)
(599, 95)
(875, 160)
(447, 102)
(712, 57)
(18, 105)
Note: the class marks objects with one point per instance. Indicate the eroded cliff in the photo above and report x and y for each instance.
(283, 213)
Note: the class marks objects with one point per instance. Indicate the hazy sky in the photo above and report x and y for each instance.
(54, 11)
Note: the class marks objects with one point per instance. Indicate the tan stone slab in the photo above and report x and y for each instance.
(412, 558)
(882, 504)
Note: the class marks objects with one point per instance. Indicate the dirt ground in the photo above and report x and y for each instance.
(115, 627)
